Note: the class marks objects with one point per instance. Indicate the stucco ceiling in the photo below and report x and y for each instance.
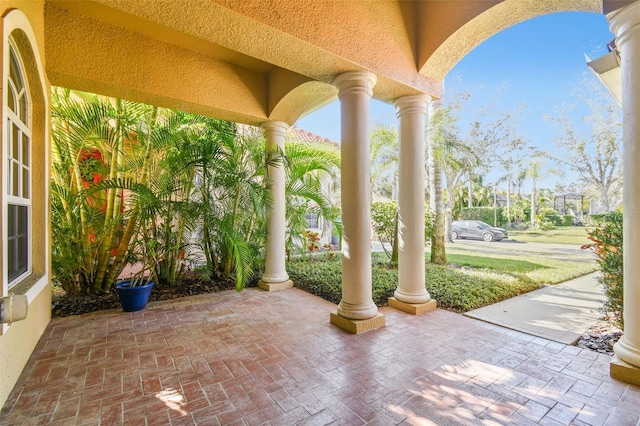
(252, 61)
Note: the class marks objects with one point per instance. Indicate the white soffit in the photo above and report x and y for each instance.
(607, 69)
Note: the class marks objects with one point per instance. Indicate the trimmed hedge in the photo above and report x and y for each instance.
(458, 290)
(484, 214)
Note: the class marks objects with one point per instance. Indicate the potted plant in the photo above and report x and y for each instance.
(134, 293)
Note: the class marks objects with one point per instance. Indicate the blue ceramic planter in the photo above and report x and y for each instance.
(133, 298)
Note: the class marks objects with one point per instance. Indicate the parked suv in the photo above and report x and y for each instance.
(478, 230)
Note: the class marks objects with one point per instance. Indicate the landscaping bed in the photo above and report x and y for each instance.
(192, 284)
(458, 289)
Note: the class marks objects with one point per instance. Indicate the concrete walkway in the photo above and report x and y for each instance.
(562, 312)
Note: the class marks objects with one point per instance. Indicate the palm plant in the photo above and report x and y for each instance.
(106, 219)
(310, 169)
(230, 198)
(133, 184)
(87, 212)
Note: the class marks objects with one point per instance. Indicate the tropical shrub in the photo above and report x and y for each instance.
(484, 214)
(102, 150)
(454, 289)
(428, 224)
(542, 223)
(311, 171)
(607, 245)
(135, 184)
(384, 221)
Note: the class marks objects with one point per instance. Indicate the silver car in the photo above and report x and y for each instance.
(477, 230)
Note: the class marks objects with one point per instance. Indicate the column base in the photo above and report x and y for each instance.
(412, 308)
(275, 286)
(357, 326)
(623, 371)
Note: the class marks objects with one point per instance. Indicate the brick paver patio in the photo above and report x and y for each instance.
(273, 358)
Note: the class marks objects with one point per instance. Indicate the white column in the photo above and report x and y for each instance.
(411, 111)
(625, 24)
(275, 276)
(355, 90)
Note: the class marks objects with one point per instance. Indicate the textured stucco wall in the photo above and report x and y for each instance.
(19, 341)
(227, 57)
(24, 21)
(93, 56)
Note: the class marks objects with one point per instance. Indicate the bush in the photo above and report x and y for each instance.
(484, 214)
(542, 224)
(607, 245)
(428, 224)
(458, 290)
(554, 218)
(594, 219)
(567, 220)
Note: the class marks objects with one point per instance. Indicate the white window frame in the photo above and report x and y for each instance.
(24, 128)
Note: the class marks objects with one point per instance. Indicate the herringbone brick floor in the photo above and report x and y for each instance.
(256, 358)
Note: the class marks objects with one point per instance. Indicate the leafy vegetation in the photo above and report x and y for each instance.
(456, 289)
(484, 214)
(167, 191)
(607, 245)
(384, 221)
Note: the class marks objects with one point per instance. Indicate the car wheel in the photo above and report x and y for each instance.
(454, 235)
(487, 236)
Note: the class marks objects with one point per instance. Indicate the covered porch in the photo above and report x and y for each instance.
(201, 358)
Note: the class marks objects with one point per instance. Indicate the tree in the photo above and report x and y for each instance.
(594, 150)
(536, 170)
(384, 161)
(472, 149)
(436, 138)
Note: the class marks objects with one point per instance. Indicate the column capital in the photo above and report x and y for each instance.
(355, 82)
(625, 22)
(412, 104)
(278, 127)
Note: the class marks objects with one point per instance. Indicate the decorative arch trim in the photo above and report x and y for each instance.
(490, 22)
(16, 26)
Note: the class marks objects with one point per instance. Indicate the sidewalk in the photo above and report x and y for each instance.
(561, 312)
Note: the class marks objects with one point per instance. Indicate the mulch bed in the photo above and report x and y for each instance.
(63, 305)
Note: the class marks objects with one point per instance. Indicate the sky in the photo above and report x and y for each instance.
(536, 63)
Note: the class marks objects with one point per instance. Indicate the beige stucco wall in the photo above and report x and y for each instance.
(20, 339)
(24, 21)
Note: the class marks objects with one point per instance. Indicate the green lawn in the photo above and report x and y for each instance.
(576, 235)
(538, 269)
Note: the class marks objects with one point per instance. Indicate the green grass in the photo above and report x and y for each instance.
(539, 269)
(469, 282)
(575, 235)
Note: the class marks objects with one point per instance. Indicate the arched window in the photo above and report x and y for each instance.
(18, 170)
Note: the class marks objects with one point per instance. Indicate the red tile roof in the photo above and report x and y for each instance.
(301, 135)
(295, 133)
